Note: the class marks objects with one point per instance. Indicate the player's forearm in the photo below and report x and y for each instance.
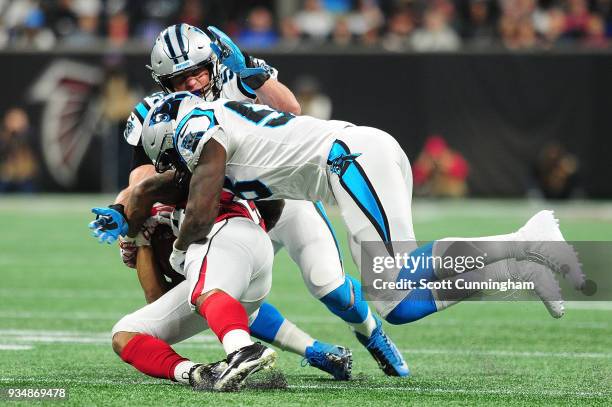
(276, 95)
(201, 211)
(204, 194)
(151, 279)
(193, 229)
(137, 175)
(159, 188)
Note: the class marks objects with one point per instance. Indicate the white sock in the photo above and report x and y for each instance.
(366, 327)
(487, 247)
(291, 338)
(498, 271)
(181, 371)
(236, 339)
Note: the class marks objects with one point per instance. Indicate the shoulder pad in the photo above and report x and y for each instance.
(133, 127)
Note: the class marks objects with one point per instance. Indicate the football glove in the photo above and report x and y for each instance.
(160, 215)
(176, 220)
(129, 251)
(128, 246)
(177, 259)
(232, 57)
(110, 223)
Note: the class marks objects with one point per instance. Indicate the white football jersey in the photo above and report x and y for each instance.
(270, 154)
(231, 88)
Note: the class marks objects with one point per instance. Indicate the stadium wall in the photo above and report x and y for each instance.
(497, 110)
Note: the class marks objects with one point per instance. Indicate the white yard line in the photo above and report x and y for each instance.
(323, 319)
(80, 337)
(64, 316)
(71, 293)
(208, 341)
(589, 305)
(15, 347)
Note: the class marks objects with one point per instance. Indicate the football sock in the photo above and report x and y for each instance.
(272, 327)
(488, 247)
(347, 303)
(498, 271)
(181, 371)
(236, 339)
(418, 304)
(267, 323)
(225, 314)
(151, 356)
(422, 302)
(291, 338)
(367, 326)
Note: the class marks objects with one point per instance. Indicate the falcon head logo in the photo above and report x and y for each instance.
(70, 115)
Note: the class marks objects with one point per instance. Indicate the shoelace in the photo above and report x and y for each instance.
(319, 359)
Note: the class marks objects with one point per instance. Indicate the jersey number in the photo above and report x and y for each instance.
(252, 190)
(259, 114)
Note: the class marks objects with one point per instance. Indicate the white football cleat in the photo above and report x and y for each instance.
(545, 285)
(547, 246)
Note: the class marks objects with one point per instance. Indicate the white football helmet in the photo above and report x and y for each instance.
(158, 132)
(181, 48)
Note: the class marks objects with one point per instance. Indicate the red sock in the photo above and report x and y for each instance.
(223, 314)
(151, 356)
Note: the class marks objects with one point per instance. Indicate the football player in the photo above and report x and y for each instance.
(226, 279)
(263, 153)
(183, 60)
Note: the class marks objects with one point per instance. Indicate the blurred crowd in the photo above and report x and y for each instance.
(394, 25)
(18, 164)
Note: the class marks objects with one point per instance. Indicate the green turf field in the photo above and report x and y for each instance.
(61, 292)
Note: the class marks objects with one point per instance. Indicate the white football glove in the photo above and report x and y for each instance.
(176, 219)
(128, 246)
(177, 259)
(129, 251)
(160, 215)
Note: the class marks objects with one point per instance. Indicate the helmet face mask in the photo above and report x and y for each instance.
(182, 48)
(167, 158)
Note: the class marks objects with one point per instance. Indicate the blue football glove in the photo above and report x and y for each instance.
(230, 55)
(110, 223)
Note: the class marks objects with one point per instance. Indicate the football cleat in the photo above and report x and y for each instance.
(545, 285)
(203, 377)
(333, 359)
(547, 246)
(241, 364)
(384, 351)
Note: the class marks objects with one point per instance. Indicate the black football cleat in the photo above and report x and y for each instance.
(203, 377)
(240, 365)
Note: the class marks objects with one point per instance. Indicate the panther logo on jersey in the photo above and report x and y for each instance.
(191, 140)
